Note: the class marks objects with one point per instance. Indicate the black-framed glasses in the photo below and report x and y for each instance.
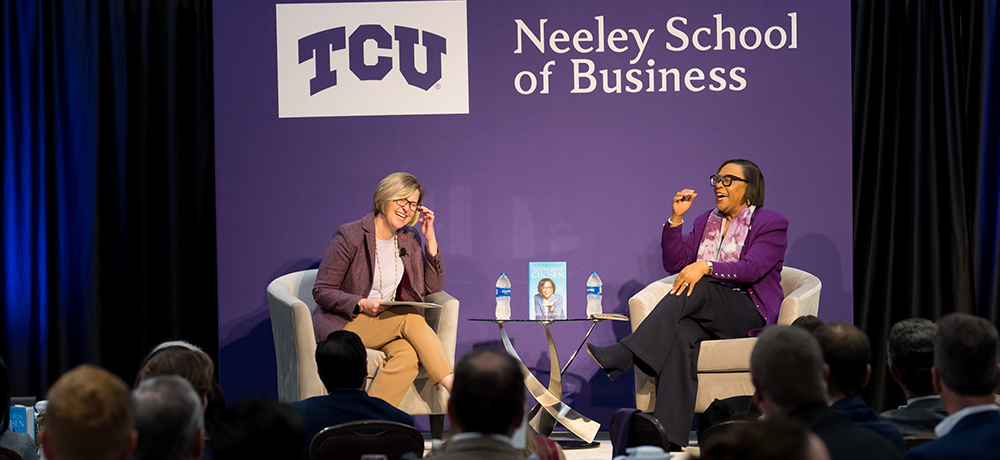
(726, 180)
(407, 203)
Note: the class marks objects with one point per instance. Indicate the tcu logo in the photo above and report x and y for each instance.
(347, 59)
(319, 45)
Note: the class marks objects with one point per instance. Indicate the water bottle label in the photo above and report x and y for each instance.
(503, 292)
(593, 290)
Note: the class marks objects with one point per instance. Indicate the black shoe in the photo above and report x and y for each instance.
(613, 359)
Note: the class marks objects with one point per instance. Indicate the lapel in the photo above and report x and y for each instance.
(368, 225)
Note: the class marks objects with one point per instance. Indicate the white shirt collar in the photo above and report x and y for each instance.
(474, 435)
(921, 398)
(950, 421)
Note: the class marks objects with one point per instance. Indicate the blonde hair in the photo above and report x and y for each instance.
(89, 414)
(396, 186)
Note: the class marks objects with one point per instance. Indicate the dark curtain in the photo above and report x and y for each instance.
(108, 184)
(925, 167)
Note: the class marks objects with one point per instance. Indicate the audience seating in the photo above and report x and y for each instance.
(723, 365)
(646, 430)
(291, 303)
(349, 441)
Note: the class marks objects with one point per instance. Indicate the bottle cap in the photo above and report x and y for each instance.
(503, 273)
(593, 271)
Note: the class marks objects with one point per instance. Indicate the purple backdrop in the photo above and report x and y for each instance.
(584, 178)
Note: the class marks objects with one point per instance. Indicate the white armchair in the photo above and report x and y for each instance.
(291, 303)
(723, 365)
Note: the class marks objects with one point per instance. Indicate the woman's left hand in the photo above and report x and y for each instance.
(688, 277)
(427, 228)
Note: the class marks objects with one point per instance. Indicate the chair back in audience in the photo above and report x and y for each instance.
(918, 439)
(349, 441)
(7, 454)
(646, 430)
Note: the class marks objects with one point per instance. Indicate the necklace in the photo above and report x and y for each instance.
(395, 272)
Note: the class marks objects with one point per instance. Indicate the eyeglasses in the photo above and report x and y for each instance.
(407, 203)
(726, 180)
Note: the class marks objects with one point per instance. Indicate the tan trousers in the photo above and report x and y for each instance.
(406, 339)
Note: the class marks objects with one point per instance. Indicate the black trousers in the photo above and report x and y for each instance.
(667, 342)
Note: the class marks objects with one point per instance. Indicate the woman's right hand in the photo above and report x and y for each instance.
(681, 204)
(371, 307)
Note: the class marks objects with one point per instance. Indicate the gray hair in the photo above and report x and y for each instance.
(965, 354)
(787, 363)
(168, 415)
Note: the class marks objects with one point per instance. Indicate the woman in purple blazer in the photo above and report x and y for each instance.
(728, 285)
(380, 258)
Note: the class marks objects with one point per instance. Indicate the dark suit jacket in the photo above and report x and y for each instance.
(759, 267)
(844, 439)
(345, 275)
(855, 410)
(918, 418)
(973, 438)
(483, 448)
(343, 406)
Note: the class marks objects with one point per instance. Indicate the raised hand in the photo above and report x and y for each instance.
(681, 204)
(427, 228)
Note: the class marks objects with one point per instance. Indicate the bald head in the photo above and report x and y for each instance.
(787, 367)
(488, 393)
(847, 350)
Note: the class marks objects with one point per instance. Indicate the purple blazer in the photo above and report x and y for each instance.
(346, 273)
(759, 267)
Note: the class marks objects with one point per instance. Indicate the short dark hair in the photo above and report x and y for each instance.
(257, 428)
(847, 350)
(911, 352)
(488, 393)
(541, 284)
(965, 354)
(809, 323)
(342, 361)
(788, 365)
(755, 181)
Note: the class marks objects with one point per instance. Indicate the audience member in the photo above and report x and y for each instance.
(966, 373)
(809, 323)
(257, 428)
(343, 367)
(17, 442)
(169, 419)
(847, 352)
(787, 371)
(766, 440)
(911, 356)
(187, 360)
(88, 417)
(486, 406)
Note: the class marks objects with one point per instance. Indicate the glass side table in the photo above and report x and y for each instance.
(550, 408)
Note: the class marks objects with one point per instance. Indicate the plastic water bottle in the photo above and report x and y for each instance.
(503, 297)
(594, 295)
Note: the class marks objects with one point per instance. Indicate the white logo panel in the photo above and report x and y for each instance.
(385, 58)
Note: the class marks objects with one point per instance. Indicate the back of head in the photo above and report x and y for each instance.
(488, 393)
(763, 440)
(4, 397)
(965, 354)
(183, 360)
(168, 417)
(911, 352)
(257, 428)
(847, 350)
(788, 365)
(342, 361)
(809, 323)
(89, 416)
